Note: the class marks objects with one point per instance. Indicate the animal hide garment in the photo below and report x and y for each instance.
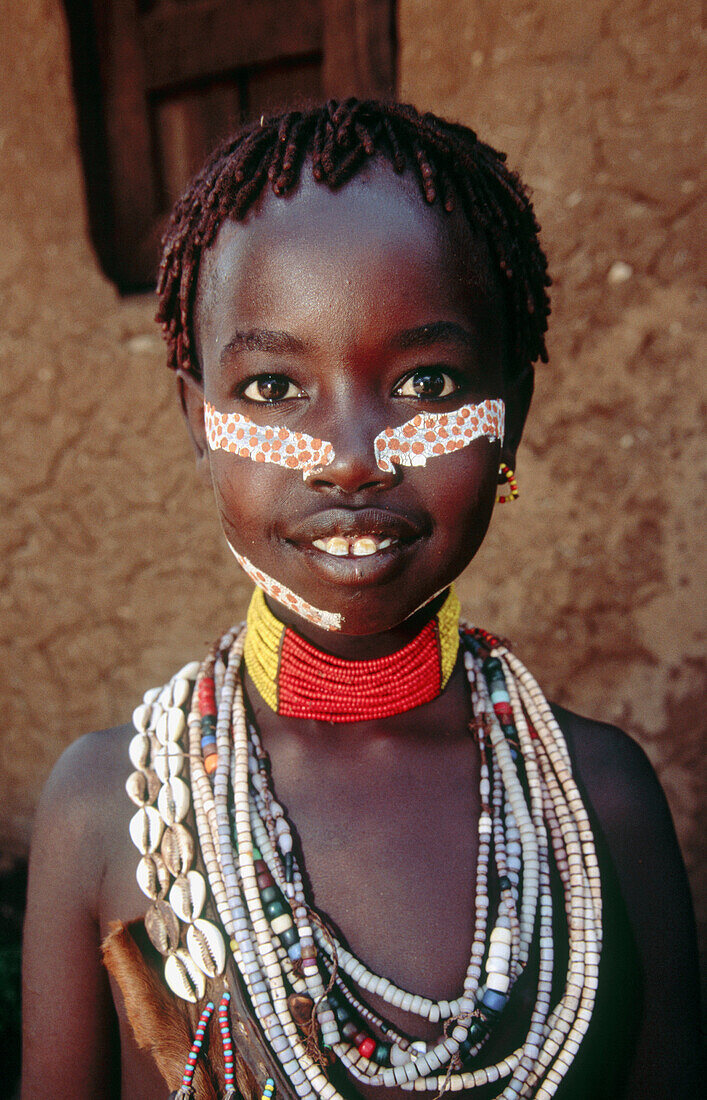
(165, 1025)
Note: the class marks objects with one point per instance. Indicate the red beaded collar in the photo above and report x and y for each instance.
(300, 681)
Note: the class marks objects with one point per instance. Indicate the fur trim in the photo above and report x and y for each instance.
(162, 1023)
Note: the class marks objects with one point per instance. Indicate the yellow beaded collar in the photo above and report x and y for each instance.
(300, 681)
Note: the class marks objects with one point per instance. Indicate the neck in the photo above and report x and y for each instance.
(300, 679)
(359, 647)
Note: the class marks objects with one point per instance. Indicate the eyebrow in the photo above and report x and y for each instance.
(281, 343)
(425, 335)
(278, 343)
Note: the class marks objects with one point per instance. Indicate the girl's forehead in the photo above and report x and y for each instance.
(374, 241)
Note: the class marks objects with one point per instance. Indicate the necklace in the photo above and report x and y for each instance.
(307, 991)
(300, 681)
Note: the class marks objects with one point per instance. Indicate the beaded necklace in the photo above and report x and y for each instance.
(308, 992)
(300, 681)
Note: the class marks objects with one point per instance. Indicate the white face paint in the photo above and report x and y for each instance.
(429, 435)
(328, 620)
(262, 443)
(426, 435)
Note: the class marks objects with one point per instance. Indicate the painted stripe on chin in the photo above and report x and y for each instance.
(327, 620)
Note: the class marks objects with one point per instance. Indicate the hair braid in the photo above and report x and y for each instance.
(451, 166)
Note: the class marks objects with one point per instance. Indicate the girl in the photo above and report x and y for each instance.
(359, 853)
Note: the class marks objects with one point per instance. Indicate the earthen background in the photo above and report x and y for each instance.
(113, 571)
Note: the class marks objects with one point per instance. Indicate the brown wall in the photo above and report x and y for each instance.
(113, 570)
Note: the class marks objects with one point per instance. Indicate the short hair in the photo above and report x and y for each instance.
(452, 167)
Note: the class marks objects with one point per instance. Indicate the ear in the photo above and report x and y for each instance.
(518, 398)
(191, 398)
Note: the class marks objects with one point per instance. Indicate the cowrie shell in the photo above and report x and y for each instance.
(153, 877)
(141, 717)
(136, 786)
(188, 895)
(139, 750)
(165, 696)
(151, 695)
(170, 725)
(206, 947)
(184, 977)
(162, 927)
(177, 849)
(142, 786)
(173, 801)
(181, 690)
(168, 761)
(190, 670)
(146, 829)
(153, 783)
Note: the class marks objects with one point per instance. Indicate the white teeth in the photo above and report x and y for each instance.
(337, 546)
(361, 547)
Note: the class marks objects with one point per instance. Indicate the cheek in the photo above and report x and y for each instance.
(244, 494)
(459, 492)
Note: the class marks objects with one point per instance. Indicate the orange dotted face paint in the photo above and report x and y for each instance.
(328, 620)
(429, 435)
(262, 443)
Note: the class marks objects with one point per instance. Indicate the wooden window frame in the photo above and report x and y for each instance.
(122, 55)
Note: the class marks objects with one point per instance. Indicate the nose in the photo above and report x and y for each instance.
(354, 468)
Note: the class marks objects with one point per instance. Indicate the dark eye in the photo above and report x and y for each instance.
(268, 388)
(428, 382)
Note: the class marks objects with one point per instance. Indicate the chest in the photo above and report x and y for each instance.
(388, 841)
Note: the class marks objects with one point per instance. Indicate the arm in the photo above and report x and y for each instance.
(68, 1018)
(645, 859)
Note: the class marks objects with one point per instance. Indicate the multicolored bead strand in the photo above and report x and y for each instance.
(224, 1027)
(530, 813)
(186, 1092)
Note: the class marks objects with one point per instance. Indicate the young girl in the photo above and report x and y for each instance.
(359, 853)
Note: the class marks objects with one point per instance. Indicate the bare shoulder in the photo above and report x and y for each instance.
(82, 803)
(618, 779)
(68, 1017)
(647, 908)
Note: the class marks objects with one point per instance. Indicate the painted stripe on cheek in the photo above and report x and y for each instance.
(429, 435)
(239, 435)
(328, 620)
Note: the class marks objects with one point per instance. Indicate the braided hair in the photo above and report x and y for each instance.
(452, 168)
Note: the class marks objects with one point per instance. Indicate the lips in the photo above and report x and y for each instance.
(355, 546)
(352, 524)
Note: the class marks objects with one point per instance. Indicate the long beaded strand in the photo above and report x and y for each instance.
(529, 807)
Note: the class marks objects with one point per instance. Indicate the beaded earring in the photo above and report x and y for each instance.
(508, 488)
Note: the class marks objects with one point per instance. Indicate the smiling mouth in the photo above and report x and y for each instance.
(362, 546)
(353, 546)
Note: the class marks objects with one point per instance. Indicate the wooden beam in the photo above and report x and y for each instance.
(359, 48)
(204, 40)
(134, 191)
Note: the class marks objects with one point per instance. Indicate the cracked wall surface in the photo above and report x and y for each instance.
(113, 571)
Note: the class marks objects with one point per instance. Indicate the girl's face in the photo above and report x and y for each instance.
(331, 317)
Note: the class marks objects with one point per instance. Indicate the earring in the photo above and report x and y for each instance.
(508, 488)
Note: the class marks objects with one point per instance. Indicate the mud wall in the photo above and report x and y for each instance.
(113, 571)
